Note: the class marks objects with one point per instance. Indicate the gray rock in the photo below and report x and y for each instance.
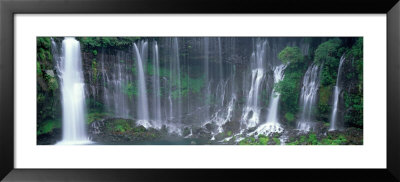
(50, 73)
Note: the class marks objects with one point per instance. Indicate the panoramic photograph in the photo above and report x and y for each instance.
(199, 90)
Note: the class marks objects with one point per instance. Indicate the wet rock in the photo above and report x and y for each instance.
(186, 131)
(50, 138)
(233, 126)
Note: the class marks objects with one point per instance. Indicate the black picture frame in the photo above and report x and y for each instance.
(9, 8)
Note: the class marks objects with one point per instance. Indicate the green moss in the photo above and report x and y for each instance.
(51, 82)
(119, 125)
(312, 139)
(38, 69)
(289, 116)
(93, 116)
(263, 141)
(94, 70)
(323, 103)
(150, 69)
(93, 43)
(340, 140)
(130, 89)
(229, 133)
(302, 139)
(187, 85)
(48, 126)
(139, 129)
(277, 141)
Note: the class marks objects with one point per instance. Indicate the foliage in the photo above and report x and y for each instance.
(277, 141)
(323, 105)
(354, 98)
(52, 82)
(48, 126)
(327, 51)
(312, 139)
(261, 140)
(94, 70)
(38, 69)
(40, 98)
(289, 87)
(130, 89)
(43, 46)
(340, 140)
(94, 43)
(187, 85)
(45, 55)
(328, 54)
(354, 105)
(48, 103)
(119, 125)
(93, 116)
(289, 116)
(291, 55)
(44, 42)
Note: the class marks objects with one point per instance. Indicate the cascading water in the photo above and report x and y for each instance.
(272, 124)
(73, 93)
(251, 112)
(336, 94)
(157, 121)
(207, 80)
(174, 98)
(143, 105)
(308, 97)
(116, 79)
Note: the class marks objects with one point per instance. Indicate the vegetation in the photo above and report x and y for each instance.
(187, 85)
(48, 126)
(96, 115)
(119, 125)
(47, 97)
(291, 55)
(130, 89)
(95, 43)
(354, 98)
(311, 139)
(94, 70)
(289, 87)
(325, 52)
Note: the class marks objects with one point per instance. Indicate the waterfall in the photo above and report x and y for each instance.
(251, 112)
(116, 80)
(73, 93)
(143, 108)
(207, 93)
(156, 88)
(336, 94)
(308, 97)
(174, 98)
(272, 123)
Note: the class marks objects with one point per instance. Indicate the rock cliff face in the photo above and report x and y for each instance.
(207, 88)
(210, 73)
